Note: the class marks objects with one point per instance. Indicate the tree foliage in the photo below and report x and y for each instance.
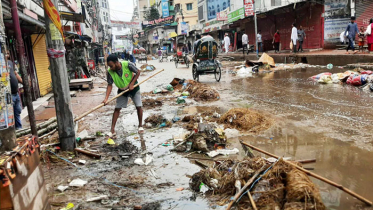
(152, 13)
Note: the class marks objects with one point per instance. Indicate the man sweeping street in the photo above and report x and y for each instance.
(124, 75)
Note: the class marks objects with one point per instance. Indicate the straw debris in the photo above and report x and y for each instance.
(202, 92)
(245, 119)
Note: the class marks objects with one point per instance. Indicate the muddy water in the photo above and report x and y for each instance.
(332, 123)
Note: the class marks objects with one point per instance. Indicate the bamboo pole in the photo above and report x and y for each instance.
(252, 200)
(112, 99)
(366, 201)
(251, 180)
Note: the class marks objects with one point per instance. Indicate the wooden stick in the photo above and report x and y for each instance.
(251, 180)
(306, 161)
(202, 165)
(88, 153)
(112, 99)
(366, 201)
(252, 200)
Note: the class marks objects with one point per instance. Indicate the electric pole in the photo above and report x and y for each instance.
(256, 31)
(61, 89)
(22, 61)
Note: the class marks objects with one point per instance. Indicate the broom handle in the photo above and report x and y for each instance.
(112, 99)
(368, 202)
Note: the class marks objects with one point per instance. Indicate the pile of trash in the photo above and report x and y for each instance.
(193, 120)
(245, 119)
(357, 77)
(279, 185)
(151, 103)
(201, 92)
(156, 120)
(147, 67)
(205, 138)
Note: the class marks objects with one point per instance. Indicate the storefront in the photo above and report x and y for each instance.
(41, 63)
(308, 15)
(364, 12)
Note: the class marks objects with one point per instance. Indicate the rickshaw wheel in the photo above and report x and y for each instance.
(176, 63)
(195, 74)
(218, 74)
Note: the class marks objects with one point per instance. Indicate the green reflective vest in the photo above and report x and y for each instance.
(125, 80)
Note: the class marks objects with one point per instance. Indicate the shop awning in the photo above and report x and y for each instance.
(172, 34)
(71, 35)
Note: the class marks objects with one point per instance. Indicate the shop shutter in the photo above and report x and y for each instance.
(364, 12)
(41, 63)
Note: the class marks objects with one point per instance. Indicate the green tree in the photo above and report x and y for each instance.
(152, 13)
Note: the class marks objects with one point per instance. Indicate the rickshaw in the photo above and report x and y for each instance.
(181, 58)
(205, 59)
(142, 55)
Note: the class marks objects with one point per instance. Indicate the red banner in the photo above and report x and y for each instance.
(249, 8)
(53, 15)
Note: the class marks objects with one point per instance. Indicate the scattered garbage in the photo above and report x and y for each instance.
(223, 152)
(186, 93)
(329, 66)
(110, 141)
(180, 100)
(77, 183)
(245, 119)
(68, 207)
(202, 92)
(82, 162)
(148, 159)
(147, 67)
(281, 184)
(62, 188)
(102, 197)
(83, 134)
(151, 103)
(245, 72)
(157, 121)
(180, 189)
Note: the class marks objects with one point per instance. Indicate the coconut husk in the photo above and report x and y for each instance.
(245, 119)
(300, 188)
(202, 92)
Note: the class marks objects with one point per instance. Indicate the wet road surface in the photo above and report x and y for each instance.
(331, 123)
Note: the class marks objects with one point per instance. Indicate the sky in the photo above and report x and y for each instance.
(121, 9)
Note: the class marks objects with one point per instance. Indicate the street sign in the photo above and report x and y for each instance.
(165, 11)
(249, 8)
(236, 15)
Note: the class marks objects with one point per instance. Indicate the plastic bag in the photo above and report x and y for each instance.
(317, 77)
(245, 72)
(325, 79)
(357, 80)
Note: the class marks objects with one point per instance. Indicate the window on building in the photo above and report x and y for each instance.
(200, 13)
(189, 6)
(177, 8)
(275, 3)
(171, 2)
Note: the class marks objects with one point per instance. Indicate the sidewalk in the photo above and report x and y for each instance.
(314, 57)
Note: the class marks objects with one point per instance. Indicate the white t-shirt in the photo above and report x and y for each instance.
(259, 37)
(245, 39)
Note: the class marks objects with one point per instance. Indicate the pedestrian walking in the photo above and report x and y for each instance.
(294, 37)
(276, 41)
(245, 43)
(227, 43)
(189, 46)
(352, 30)
(369, 35)
(124, 75)
(361, 39)
(260, 42)
(301, 38)
(14, 80)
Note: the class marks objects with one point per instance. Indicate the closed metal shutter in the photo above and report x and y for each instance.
(364, 12)
(41, 63)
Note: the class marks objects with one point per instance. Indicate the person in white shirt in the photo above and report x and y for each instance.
(227, 43)
(260, 42)
(294, 37)
(245, 42)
